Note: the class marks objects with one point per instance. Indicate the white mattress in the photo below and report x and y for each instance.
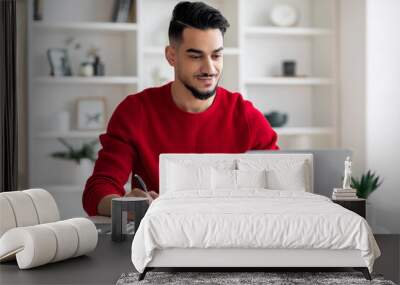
(251, 218)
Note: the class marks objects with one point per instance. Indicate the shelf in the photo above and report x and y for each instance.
(288, 81)
(276, 31)
(122, 80)
(293, 131)
(70, 134)
(157, 50)
(86, 26)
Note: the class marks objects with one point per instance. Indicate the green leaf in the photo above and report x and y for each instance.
(368, 183)
(86, 151)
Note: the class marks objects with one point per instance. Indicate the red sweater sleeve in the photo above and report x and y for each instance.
(263, 137)
(115, 159)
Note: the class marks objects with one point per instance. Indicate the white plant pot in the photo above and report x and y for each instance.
(83, 171)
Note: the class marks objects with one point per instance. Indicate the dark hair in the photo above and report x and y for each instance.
(195, 15)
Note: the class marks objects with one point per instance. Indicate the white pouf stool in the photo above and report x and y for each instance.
(31, 233)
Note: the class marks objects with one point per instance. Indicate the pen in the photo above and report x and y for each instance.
(141, 182)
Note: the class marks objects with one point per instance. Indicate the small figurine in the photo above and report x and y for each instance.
(347, 173)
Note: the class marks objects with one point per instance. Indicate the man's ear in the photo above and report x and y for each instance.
(170, 55)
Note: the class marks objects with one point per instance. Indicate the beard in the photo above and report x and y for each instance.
(199, 94)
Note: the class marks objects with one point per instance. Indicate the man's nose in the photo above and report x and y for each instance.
(208, 67)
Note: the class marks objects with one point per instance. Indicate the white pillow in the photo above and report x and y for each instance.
(288, 179)
(282, 174)
(185, 177)
(223, 179)
(251, 178)
(236, 179)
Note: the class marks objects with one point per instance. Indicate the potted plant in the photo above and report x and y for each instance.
(84, 158)
(368, 183)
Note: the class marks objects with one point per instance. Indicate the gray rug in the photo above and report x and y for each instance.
(229, 278)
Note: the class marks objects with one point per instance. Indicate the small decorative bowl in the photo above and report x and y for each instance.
(276, 119)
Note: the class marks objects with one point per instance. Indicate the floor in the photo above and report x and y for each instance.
(389, 262)
(96, 268)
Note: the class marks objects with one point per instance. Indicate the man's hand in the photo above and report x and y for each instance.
(153, 195)
(136, 192)
(104, 207)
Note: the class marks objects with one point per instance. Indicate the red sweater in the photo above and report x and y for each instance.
(149, 123)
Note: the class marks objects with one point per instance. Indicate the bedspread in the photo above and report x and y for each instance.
(250, 218)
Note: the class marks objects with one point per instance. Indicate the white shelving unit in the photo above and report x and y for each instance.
(70, 24)
(88, 26)
(133, 54)
(311, 99)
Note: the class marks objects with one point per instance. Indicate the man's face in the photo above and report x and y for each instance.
(198, 61)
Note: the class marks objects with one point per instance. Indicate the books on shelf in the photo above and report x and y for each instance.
(122, 11)
(340, 190)
(344, 194)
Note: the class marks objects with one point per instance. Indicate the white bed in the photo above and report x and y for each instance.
(219, 210)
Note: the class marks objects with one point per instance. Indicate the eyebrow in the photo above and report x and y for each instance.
(193, 50)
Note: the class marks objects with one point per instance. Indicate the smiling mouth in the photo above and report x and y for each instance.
(206, 80)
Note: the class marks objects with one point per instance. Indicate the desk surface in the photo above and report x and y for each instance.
(102, 266)
(111, 259)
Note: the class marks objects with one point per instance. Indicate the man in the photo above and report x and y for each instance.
(188, 115)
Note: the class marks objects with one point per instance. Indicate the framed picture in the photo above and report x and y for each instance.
(59, 62)
(91, 113)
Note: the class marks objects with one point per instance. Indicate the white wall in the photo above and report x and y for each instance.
(370, 100)
(353, 80)
(383, 109)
